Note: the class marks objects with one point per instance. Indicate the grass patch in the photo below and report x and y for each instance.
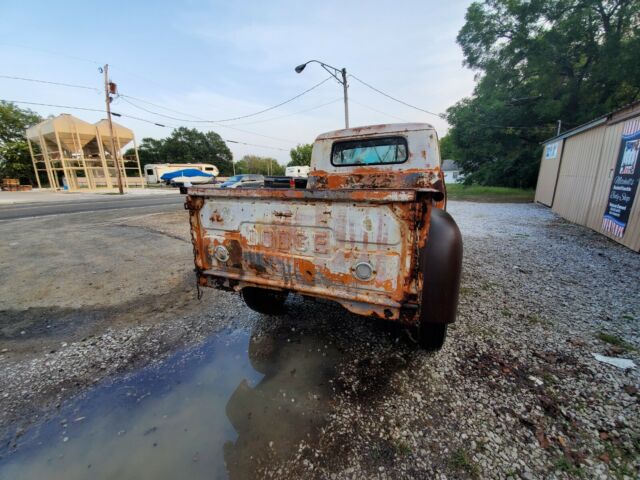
(621, 464)
(402, 448)
(533, 319)
(506, 312)
(460, 461)
(481, 193)
(614, 340)
(565, 465)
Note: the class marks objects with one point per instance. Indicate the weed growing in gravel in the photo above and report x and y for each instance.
(533, 319)
(620, 458)
(548, 379)
(565, 465)
(460, 460)
(628, 317)
(615, 341)
(464, 291)
(402, 448)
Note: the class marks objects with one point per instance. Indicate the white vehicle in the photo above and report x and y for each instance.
(188, 180)
(153, 171)
(297, 171)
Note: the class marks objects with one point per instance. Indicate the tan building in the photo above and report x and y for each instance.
(71, 154)
(590, 175)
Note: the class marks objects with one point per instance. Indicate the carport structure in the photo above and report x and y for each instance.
(76, 155)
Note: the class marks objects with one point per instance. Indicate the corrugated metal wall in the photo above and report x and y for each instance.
(548, 175)
(586, 171)
(577, 174)
(604, 177)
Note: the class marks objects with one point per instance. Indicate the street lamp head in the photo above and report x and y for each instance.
(300, 68)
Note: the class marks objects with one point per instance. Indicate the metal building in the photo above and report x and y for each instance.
(590, 175)
(71, 154)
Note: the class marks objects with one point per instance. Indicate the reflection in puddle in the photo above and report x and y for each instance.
(226, 409)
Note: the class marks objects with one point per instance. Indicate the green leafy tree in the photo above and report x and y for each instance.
(259, 165)
(188, 145)
(539, 61)
(300, 156)
(447, 148)
(149, 151)
(15, 159)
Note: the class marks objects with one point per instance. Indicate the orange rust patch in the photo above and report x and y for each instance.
(306, 268)
(216, 217)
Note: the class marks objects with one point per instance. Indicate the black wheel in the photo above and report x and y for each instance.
(263, 300)
(431, 336)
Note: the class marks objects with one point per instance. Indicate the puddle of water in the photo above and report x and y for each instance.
(225, 409)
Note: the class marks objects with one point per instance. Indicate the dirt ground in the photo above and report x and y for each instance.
(515, 393)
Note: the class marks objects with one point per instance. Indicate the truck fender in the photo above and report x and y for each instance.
(441, 263)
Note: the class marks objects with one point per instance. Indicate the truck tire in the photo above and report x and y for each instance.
(441, 263)
(431, 336)
(262, 300)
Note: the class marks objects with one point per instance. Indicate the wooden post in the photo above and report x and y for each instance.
(33, 160)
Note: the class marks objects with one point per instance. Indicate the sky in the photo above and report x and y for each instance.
(215, 60)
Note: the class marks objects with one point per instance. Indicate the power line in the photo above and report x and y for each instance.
(439, 115)
(48, 82)
(256, 145)
(225, 119)
(290, 114)
(85, 109)
(214, 123)
(375, 110)
(124, 98)
(52, 105)
(134, 118)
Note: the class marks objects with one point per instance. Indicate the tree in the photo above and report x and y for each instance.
(259, 165)
(539, 61)
(188, 145)
(15, 159)
(300, 156)
(447, 148)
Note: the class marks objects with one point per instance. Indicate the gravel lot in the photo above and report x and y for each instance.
(515, 393)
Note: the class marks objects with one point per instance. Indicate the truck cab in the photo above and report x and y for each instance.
(369, 231)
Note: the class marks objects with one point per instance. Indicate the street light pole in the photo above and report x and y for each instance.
(340, 74)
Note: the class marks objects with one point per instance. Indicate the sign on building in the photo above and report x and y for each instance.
(626, 177)
(551, 151)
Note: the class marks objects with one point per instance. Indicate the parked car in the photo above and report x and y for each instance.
(244, 181)
(187, 177)
(369, 231)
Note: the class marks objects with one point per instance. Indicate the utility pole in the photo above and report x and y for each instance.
(559, 127)
(346, 100)
(114, 153)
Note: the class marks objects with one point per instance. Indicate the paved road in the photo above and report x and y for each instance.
(12, 212)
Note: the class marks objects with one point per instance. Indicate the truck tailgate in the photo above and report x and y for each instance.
(310, 241)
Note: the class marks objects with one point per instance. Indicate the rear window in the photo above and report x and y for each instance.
(373, 151)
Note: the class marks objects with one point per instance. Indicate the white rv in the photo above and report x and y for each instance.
(297, 171)
(153, 171)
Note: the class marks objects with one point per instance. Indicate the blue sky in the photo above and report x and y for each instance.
(221, 59)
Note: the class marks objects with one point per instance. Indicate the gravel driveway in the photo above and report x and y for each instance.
(515, 392)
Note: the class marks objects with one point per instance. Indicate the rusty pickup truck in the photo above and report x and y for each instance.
(369, 231)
